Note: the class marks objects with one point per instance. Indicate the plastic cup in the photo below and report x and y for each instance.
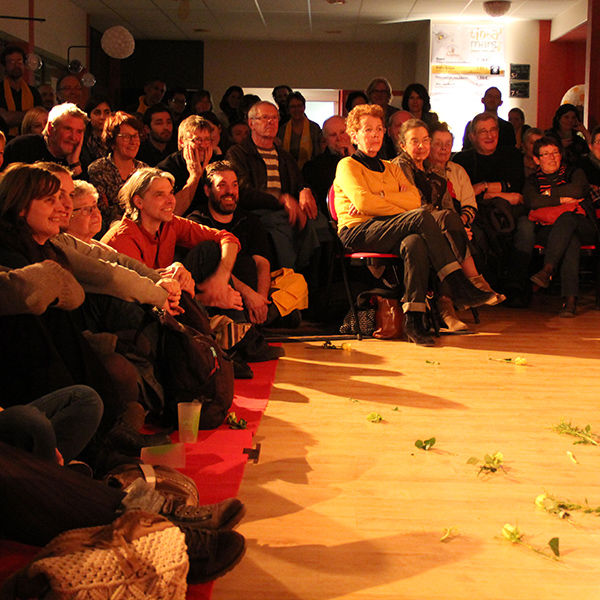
(169, 455)
(189, 418)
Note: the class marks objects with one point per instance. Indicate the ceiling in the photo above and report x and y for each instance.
(295, 20)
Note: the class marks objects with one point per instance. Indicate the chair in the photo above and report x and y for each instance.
(591, 250)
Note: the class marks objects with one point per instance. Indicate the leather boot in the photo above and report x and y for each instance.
(480, 283)
(466, 295)
(415, 330)
(448, 315)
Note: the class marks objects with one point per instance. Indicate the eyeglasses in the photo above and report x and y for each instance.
(129, 136)
(11, 61)
(487, 131)
(442, 145)
(86, 211)
(554, 154)
(423, 142)
(265, 119)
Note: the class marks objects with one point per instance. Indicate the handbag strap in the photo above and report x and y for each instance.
(149, 474)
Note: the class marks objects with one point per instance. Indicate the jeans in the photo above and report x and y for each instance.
(65, 419)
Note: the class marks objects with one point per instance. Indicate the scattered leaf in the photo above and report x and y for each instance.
(235, 423)
(449, 533)
(425, 444)
(572, 457)
(519, 360)
(395, 409)
(490, 463)
(512, 534)
(374, 417)
(553, 543)
(585, 435)
(432, 362)
(353, 400)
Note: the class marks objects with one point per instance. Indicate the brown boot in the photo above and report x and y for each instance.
(446, 310)
(482, 284)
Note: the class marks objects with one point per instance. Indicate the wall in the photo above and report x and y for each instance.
(320, 65)
(561, 66)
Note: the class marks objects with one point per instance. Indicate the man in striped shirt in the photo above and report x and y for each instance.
(271, 185)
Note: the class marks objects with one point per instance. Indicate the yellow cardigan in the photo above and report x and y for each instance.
(373, 194)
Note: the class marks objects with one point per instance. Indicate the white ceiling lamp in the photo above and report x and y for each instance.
(497, 8)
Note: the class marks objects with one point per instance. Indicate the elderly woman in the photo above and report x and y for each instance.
(556, 185)
(299, 136)
(570, 132)
(415, 146)
(416, 101)
(122, 135)
(378, 210)
(86, 219)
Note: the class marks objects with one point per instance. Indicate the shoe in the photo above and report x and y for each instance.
(254, 348)
(448, 315)
(211, 553)
(223, 515)
(292, 320)
(415, 330)
(480, 283)
(569, 308)
(241, 369)
(126, 440)
(542, 278)
(466, 295)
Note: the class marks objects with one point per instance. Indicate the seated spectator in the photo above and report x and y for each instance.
(570, 133)
(416, 101)
(201, 102)
(280, 95)
(378, 210)
(158, 143)
(122, 136)
(16, 95)
(248, 101)
(492, 101)
(237, 132)
(217, 141)
(149, 232)
(69, 89)
(530, 137)
(98, 110)
(271, 184)
(154, 90)
(86, 218)
(60, 142)
(230, 105)
(390, 147)
(46, 91)
(252, 270)
(379, 92)
(557, 184)
(516, 117)
(591, 163)
(34, 121)
(319, 173)
(187, 165)
(354, 99)
(299, 136)
(176, 99)
(415, 144)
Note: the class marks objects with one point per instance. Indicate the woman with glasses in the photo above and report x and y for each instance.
(557, 185)
(122, 136)
(415, 146)
(86, 219)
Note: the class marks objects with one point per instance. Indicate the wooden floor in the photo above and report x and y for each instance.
(339, 507)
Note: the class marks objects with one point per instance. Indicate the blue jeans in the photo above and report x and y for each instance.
(66, 419)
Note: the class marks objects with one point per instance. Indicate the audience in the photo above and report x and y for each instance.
(379, 92)
(516, 118)
(34, 121)
(69, 89)
(98, 109)
(230, 105)
(568, 131)
(416, 101)
(530, 137)
(158, 143)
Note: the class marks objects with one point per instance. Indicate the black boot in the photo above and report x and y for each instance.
(126, 440)
(415, 330)
(466, 295)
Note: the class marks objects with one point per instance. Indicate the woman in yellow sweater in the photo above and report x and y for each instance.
(379, 210)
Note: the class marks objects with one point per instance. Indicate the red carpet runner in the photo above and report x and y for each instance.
(216, 462)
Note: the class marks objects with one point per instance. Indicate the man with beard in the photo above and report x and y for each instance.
(16, 96)
(60, 142)
(187, 165)
(158, 124)
(252, 270)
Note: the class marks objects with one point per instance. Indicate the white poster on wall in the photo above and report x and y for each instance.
(465, 61)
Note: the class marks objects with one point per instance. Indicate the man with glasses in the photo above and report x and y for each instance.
(271, 185)
(187, 165)
(60, 142)
(497, 175)
(69, 89)
(379, 92)
(16, 96)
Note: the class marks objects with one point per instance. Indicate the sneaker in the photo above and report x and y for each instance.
(542, 279)
(223, 515)
(211, 553)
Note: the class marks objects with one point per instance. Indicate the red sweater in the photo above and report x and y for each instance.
(158, 252)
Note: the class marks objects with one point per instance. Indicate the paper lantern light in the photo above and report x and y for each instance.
(117, 42)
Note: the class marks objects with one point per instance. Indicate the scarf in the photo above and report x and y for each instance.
(26, 101)
(306, 146)
(371, 162)
(558, 178)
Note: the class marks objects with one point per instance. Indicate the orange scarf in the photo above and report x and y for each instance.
(26, 101)
(306, 146)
